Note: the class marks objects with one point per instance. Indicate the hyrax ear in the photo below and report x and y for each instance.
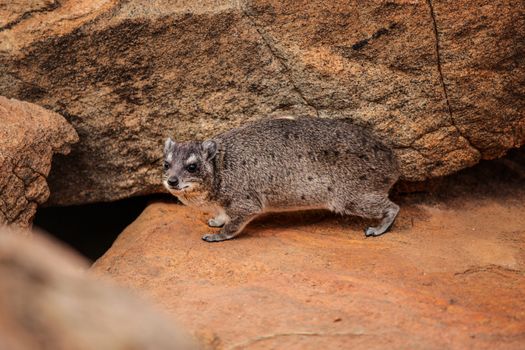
(210, 149)
(169, 145)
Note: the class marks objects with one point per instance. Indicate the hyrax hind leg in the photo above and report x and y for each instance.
(381, 208)
(389, 213)
(374, 206)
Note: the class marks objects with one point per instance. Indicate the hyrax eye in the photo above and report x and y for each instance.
(166, 165)
(191, 168)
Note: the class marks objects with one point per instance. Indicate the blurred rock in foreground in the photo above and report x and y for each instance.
(48, 301)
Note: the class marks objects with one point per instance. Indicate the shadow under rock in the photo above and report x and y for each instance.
(91, 229)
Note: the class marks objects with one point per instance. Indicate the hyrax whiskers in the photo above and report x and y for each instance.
(281, 165)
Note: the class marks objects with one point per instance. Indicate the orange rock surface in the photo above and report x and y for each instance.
(449, 275)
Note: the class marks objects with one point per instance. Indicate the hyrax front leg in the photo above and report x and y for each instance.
(219, 220)
(238, 220)
(216, 222)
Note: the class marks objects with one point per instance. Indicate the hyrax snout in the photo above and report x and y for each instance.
(281, 165)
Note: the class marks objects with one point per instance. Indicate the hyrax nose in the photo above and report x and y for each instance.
(173, 181)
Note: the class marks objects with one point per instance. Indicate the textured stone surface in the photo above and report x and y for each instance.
(450, 275)
(484, 70)
(48, 301)
(442, 81)
(29, 137)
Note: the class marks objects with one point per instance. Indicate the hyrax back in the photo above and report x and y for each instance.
(285, 164)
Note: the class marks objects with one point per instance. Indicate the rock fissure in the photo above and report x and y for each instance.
(430, 131)
(274, 52)
(377, 34)
(19, 168)
(294, 334)
(51, 7)
(23, 210)
(441, 78)
(488, 268)
(2, 188)
(25, 184)
(2, 205)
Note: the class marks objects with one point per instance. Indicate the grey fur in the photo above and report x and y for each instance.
(285, 164)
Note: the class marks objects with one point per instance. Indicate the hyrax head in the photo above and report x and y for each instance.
(188, 166)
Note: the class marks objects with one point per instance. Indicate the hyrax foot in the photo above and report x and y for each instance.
(215, 237)
(215, 222)
(372, 232)
(389, 216)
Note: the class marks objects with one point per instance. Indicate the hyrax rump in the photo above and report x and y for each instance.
(280, 165)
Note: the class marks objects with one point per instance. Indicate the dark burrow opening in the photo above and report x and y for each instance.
(91, 229)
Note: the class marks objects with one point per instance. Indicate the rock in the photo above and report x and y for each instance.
(449, 275)
(48, 301)
(487, 83)
(29, 137)
(442, 82)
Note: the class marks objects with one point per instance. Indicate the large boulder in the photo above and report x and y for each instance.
(49, 301)
(448, 276)
(29, 137)
(441, 81)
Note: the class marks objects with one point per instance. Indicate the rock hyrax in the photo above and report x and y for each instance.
(280, 165)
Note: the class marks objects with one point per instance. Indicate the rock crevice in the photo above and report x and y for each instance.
(275, 53)
(441, 79)
(47, 8)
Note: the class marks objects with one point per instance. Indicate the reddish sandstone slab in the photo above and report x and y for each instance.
(446, 277)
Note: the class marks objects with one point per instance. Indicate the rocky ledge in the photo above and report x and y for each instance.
(29, 137)
(450, 275)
